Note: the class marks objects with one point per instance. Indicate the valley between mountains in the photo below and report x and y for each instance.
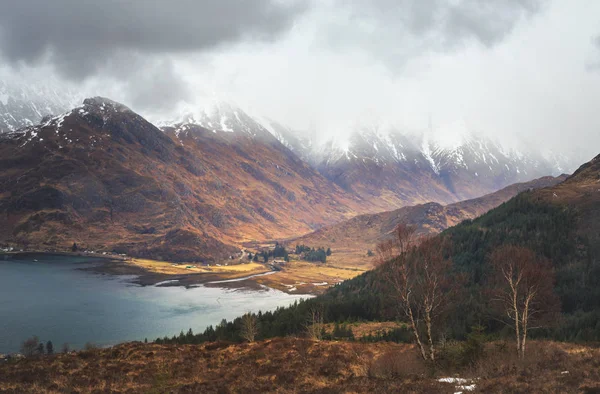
(193, 201)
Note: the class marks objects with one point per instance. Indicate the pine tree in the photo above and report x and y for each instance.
(49, 347)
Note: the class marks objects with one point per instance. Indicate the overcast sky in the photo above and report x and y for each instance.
(519, 70)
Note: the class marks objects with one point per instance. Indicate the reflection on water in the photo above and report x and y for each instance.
(54, 300)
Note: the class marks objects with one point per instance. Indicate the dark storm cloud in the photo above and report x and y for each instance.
(400, 29)
(79, 36)
(159, 88)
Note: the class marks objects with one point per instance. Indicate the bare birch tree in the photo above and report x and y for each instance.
(314, 325)
(419, 277)
(249, 330)
(523, 289)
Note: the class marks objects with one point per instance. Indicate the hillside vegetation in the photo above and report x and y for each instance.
(291, 365)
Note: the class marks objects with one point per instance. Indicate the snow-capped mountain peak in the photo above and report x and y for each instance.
(217, 116)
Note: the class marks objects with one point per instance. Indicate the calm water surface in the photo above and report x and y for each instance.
(53, 299)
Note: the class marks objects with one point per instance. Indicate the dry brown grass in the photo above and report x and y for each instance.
(302, 277)
(290, 365)
(232, 270)
(280, 365)
(296, 277)
(363, 329)
(548, 367)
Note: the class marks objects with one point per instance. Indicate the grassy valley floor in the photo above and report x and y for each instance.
(294, 277)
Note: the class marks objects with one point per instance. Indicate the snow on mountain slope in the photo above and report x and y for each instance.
(418, 167)
(96, 111)
(471, 152)
(26, 104)
(217, 116)
(295, 141)
(391, 167)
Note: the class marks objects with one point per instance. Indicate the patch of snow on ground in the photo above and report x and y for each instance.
(452, 380)
(460, 384)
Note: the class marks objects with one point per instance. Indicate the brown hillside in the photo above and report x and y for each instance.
(351, 239)
(104, 177)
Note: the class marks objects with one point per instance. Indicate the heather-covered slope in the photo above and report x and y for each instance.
(298, 365)
(105, 178)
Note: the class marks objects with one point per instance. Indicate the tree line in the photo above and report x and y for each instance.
(264, 255)
(305, 252)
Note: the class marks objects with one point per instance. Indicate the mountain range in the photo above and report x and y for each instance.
(391, 168)
(197, 187)
(104, 177)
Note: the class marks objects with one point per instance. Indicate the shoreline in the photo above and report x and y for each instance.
(29, 253)
(297, 277)
(145, 277)
(114, 265)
